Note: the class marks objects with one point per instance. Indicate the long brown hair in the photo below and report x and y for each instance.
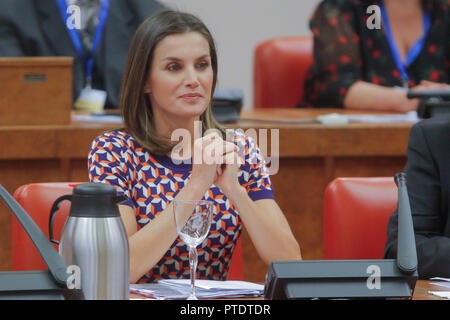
(135, 105)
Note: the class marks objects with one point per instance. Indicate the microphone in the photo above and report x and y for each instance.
(432, 102)
(434, 93)
(406, 244)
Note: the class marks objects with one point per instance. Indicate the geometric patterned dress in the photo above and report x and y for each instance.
(151, 182)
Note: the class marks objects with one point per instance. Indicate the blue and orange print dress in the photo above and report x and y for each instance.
(151, 182)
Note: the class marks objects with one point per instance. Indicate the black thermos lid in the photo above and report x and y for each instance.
(95, 200)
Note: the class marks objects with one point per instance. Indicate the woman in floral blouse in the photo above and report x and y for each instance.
(358, 65)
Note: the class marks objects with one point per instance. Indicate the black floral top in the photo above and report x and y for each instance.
(346, 50)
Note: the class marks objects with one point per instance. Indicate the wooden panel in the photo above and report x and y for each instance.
(35, 90)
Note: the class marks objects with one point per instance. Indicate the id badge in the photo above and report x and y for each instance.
(92, 100)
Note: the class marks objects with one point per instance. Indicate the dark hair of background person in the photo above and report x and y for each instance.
(135, 104)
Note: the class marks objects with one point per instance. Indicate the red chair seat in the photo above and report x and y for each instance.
(37, 200)
(356, 213)
(280, 67)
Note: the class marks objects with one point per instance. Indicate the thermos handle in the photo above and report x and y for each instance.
(54, 209)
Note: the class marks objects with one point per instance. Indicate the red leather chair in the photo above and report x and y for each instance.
(356, 213)
(280, 67)
(37, 200)
(236, 270)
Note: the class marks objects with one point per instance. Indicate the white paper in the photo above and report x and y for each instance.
(442, 294)
(440, 279)
(97, 118)
(333, 119)
(444, 282)
(215, 285)
(91, 99)
(410, 117)
(205, 289)
(441, 284)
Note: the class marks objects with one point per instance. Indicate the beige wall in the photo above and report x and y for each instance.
(239, 25)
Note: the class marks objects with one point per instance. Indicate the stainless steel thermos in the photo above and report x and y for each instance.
(94, 239)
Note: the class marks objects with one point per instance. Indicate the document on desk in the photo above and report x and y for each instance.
(205, 289)
(410, 117)
(442, 294)
(443, 282)
(98, 117)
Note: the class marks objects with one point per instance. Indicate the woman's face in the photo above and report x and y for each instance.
(181, 77)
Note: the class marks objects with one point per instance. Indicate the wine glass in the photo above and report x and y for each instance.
(193, 220)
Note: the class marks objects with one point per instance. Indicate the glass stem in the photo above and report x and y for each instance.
(193, 260)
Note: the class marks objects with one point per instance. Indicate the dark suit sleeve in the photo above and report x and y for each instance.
(9, 40)
(425, 195)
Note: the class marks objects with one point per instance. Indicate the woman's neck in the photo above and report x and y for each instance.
(183, 132)
(405, 19)
(400, 9)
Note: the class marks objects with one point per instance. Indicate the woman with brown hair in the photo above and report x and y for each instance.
(168, 83)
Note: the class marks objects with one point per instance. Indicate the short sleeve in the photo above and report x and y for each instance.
(107, 164)
(253, 173)
(337, 57)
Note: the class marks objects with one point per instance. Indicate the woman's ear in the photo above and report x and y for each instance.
(147, 87)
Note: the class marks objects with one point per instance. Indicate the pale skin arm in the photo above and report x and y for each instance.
(368, 96)
(267, 227)
(263, 219)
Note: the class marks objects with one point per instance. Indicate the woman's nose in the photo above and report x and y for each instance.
(191, 78)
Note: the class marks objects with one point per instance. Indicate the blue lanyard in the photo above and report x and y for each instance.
(415, 49)
(87, 58)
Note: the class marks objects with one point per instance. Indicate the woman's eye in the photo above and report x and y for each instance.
(173, 67)
(203, 65)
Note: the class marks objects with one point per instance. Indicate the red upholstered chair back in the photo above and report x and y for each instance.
(37, 200)
(236, 271)
(280, 67)
(356, 213)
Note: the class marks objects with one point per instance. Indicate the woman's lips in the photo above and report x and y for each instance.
(191, 96)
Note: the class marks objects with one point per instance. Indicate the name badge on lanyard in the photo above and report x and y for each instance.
(415, 49)
(90, 99)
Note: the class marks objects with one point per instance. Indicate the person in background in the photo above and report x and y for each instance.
(428, 183)
(357, 66)
(169, 79)
(99, 47)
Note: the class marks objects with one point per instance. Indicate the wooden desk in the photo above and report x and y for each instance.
(311, 155)
(422, 288)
